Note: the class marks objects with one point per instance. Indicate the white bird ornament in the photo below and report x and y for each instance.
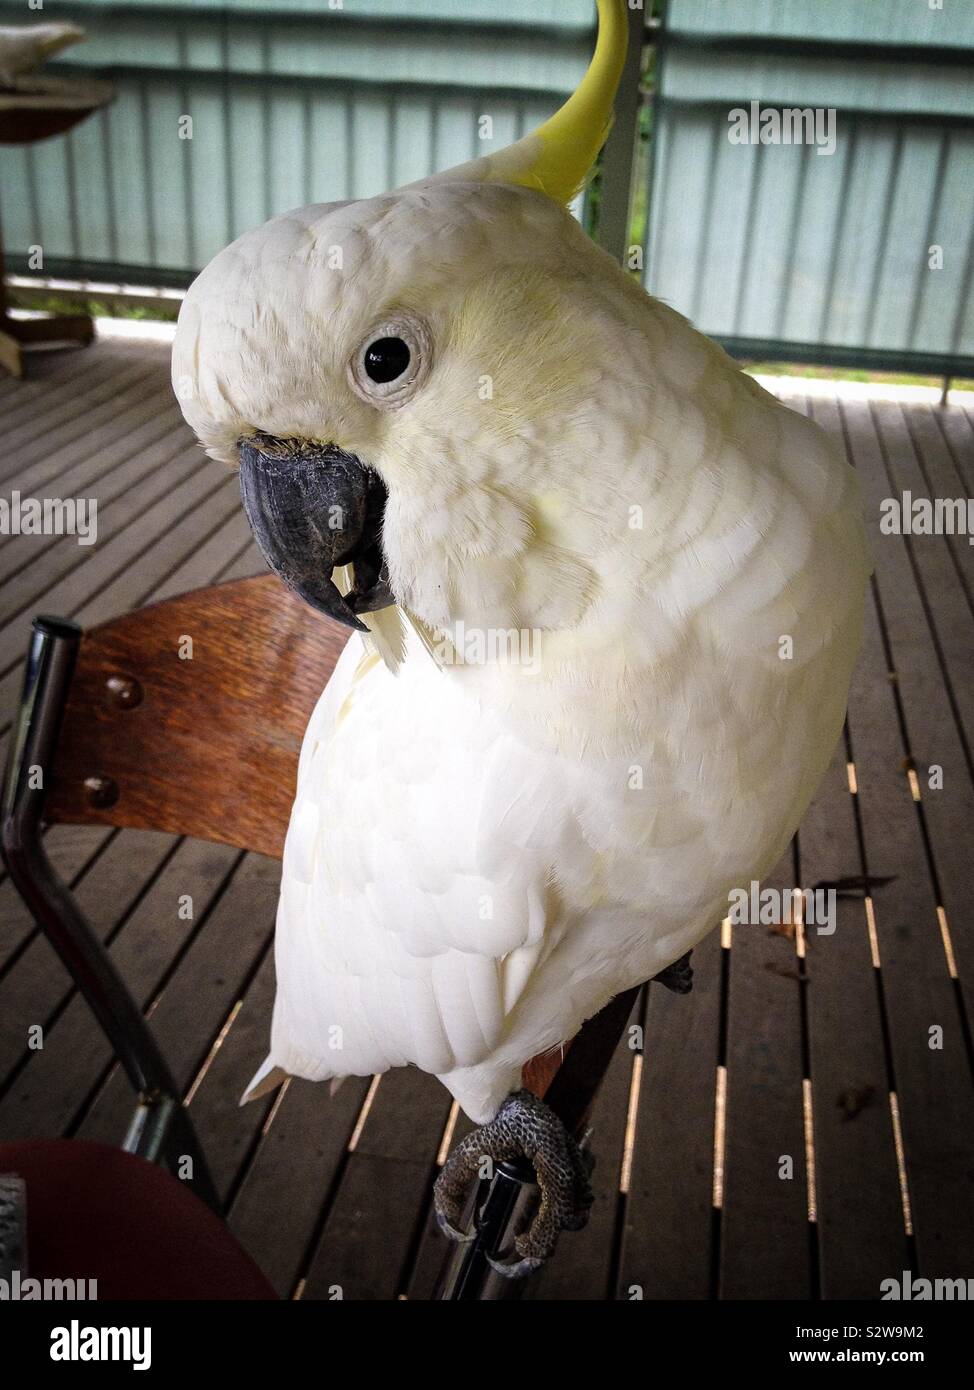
(24, 49)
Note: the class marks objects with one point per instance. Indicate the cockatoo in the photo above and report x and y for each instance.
(24, 49)
(570, 537)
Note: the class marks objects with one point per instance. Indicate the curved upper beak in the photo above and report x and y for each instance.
(312, 507)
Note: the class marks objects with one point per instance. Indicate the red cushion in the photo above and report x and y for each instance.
(96, 1212)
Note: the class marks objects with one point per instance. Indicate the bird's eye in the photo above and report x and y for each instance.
(385, 359)
(392, 362)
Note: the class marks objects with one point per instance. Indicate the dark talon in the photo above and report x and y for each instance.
(516, 1269)
(449, 1230)
(523, 1128)
(679, 976)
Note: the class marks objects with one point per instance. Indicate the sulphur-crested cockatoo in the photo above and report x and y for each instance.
(571, 536)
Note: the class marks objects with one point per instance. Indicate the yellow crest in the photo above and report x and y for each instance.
(557, 157)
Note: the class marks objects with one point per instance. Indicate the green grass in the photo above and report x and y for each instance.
(851, 374)
(113, 307)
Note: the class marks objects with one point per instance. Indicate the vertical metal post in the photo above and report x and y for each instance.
(658, 38)
(618, 157)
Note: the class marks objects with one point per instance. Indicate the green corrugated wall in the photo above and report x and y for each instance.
(781, 251)
(291, 104)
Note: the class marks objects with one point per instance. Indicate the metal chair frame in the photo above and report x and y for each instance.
(161, 1128)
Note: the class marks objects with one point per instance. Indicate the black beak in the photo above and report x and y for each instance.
(312, 507)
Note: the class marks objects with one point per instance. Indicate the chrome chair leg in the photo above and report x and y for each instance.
(499, 1209)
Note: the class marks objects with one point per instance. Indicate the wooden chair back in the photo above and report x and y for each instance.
(187, 716)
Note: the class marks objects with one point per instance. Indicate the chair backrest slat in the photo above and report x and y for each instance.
(188, 716)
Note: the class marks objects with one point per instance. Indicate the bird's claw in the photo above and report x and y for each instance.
(447, 1227)
(515, 1269)
(523, 1128)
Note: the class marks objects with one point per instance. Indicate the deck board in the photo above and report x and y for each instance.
(668, 1240)
(591, 1272)
(935, 1101)
(860, 1229)
(764, 1249)
(116, 468)
(287, 1190)
(209, 977)
(332, 1193)
(394, 1152)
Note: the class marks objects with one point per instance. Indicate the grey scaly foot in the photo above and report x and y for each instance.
(679, 976)
(524, 1127)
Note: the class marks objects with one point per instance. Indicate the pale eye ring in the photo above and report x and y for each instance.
(392, 361)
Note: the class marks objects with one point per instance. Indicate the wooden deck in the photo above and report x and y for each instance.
(793, 1046)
